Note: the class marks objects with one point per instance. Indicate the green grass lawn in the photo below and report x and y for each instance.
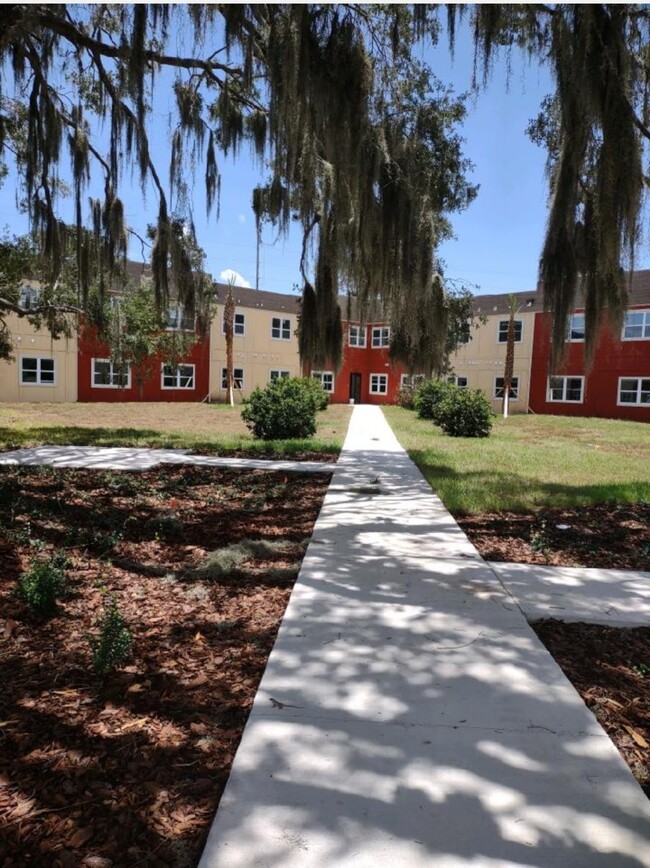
(204, 428)
(530, 461)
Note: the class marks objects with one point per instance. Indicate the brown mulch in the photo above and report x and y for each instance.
(611, 671)
(128, 770)
(612, 536)
(610, 667)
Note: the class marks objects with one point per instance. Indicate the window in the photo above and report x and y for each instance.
(637, 325)
(576, 327)
(503, 331)
(514, 388)
(238, 378)
(280, 329)
(634, 390)
(378, 384)
(178, 319)
(567, 389)
(36, 371)
(179, 377)
(461, 382)
(357, 336)
(279, 375)
(239, 325)
(29, 297)
(381, 336)
(411, 379)
(325, 378)
(106, 375)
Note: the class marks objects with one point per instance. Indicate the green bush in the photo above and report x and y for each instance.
(113, 644)
(321, 398)
(464, 413)
(42, 584)
(406, 395)
(428, 395)
(285, 409)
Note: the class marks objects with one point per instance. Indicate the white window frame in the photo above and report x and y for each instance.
(453, 380)
(565, 388)
(177, 374)
(639, 391)
(410, 380)
(505, 322)
(326, 379)
(376, 388)
(30, 297)
(571, 328)
(39, 371)
(514, 389)
(235, 325)
(380, 337)
(237, 379)
(357, 335)
(280, 374)
(644, 325)
(284, 326)
(112, 373)
(177, 322)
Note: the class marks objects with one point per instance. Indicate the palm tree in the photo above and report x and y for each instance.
(510, 354)
(229, 328)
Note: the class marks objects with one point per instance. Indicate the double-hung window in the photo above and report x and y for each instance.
(237, 376)
(36, 371)
(378, 384)
(357, 336)
(499, 386)
(325, 378)
(107, 375)
(634, 390)
(380, 336)
(637, 325)
(567, 390)
(280, 329)
(178, 377)
(503, 331)
(576, 328)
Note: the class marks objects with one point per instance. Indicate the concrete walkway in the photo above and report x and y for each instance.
(408, 715)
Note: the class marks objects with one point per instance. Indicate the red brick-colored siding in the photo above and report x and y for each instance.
(613, 358)
(145, 387)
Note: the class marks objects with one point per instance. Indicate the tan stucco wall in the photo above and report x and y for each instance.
(484, 358)
(30, 342)
(256, 351)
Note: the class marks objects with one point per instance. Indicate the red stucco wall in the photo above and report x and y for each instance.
(365, 361)
(613, 358)
(150, 389)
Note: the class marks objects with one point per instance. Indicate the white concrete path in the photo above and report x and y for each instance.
(619, 598)
(141, 458)
(408, 715)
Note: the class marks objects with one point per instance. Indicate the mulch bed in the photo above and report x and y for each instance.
(128, 770)
(613, 536)
(612, 674)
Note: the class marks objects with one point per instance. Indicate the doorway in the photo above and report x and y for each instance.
(355, 388)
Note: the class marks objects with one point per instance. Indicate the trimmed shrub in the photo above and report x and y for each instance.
(284, 410)
(464, 413)
(428, 395)
(42, 584)
(113, 645)
(321, 398)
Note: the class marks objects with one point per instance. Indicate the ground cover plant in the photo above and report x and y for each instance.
(215, 429)
(121, 712)
(565, 492)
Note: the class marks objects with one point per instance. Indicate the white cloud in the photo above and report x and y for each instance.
(241, 218)
(228, 275)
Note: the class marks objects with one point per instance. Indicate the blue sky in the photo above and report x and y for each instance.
(498, 239)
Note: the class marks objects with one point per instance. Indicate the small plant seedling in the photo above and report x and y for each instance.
(42, 584)
(112, 646)
(165, 527)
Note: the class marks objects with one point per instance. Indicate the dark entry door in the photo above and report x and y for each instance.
(355, 388)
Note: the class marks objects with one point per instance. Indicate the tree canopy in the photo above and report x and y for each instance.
(360, 140)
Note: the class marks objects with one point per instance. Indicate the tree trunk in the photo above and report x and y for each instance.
(510, 357)
(229, 328)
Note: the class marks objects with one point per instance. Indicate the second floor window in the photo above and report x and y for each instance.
(637, 325)
(280, 329)
(238, 326)
(178, 319)
(357, 336)
(576, 327)
(381, 336)
(503, 331)
(29, 297)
